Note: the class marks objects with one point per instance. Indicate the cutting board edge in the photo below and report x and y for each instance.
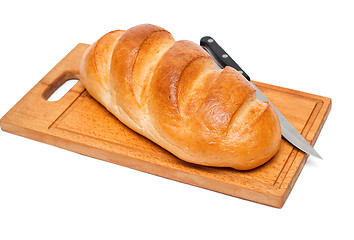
(274, 199)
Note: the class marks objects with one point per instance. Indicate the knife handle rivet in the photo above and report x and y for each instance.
(224, 55)
(210, 40)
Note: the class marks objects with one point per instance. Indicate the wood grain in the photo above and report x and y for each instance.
(80, 124)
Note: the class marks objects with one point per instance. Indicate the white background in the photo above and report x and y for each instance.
(50, 193)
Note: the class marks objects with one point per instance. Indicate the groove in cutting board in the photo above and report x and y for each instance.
(80, 124)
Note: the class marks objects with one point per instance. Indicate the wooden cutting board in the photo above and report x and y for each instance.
(80, 124)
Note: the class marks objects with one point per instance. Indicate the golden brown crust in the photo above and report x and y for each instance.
(167, 81)
(124, 61)
(96, 63)
(171, 93)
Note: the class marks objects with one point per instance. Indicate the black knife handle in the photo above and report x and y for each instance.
(219, 55)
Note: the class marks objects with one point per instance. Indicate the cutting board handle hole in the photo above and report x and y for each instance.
(63, 89)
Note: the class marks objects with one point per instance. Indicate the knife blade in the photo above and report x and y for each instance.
(287, 130)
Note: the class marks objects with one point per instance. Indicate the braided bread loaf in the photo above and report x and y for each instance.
(171, 93)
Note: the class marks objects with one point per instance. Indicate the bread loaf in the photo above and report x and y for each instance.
(170, 92)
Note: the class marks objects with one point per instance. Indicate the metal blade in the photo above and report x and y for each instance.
(287, 130)
(222, 59)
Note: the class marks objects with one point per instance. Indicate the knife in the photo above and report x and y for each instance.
(287, 130)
